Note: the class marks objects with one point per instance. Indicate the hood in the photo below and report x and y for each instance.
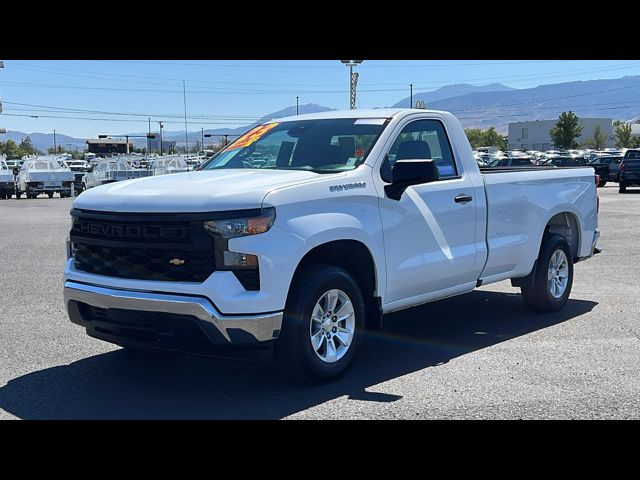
(200, 191)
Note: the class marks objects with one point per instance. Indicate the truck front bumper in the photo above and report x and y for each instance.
(161, 321)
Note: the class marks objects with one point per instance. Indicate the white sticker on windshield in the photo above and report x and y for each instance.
(370, 121)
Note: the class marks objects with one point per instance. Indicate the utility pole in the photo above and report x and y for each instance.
(353, 81)
(411, 95)
(202, 137)
(127, 145)
(160, 138)
(149, 138)
(55, 148)
(186, 135)
(297, 110)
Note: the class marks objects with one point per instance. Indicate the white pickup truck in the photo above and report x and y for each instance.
(112, 170)
(44, 174)
(7, 183)
(358, 214)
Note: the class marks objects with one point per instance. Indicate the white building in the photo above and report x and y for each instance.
(535, 135)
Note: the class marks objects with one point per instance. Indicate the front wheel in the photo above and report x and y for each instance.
(552, 281)
(602, 183)
(323, 325)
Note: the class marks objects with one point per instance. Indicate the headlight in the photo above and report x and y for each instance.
(240, 227)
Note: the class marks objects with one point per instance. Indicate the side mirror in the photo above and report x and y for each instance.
(411, 172)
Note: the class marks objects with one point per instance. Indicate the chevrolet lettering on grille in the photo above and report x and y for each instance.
(130, 231)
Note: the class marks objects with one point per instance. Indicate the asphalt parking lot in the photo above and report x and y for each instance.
(481, 355)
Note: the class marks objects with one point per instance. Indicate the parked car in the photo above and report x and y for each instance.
(7, 181)
(564, 161)
(44, 174)
(308, 253)
(169, 164)
(112, 170)
(630, 170)
(608, 167)
(79, 169)
(516, 161)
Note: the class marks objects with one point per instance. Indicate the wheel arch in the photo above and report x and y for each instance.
(566, 224)
(356, 258)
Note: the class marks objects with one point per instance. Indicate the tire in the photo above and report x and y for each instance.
(622, 188)
(540, 295)
(50, 194)
(294, 348)
(602, 183)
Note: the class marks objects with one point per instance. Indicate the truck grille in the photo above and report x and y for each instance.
(164, 247)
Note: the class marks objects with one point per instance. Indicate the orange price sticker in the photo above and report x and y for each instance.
(251, 136)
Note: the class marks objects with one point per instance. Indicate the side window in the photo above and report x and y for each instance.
(422, 139)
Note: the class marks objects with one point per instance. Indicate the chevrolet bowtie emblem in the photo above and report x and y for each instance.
(176, 261)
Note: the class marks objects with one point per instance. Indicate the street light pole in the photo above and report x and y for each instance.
(160, 138)
(411, 95)
(148, 138)
(55, 148)
(353, 81)
(202, 137)
(297, 109)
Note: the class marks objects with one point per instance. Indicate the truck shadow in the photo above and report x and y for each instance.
(122, 385)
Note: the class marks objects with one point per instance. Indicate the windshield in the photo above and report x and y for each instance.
(41, 165)
(323, 146)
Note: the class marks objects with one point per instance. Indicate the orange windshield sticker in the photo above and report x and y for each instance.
(251, 136)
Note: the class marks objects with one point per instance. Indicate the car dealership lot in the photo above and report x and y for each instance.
(481, 355)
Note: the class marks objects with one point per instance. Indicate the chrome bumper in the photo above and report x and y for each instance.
(262, 327)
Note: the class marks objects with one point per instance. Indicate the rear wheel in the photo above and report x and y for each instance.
(602, 183)
(551, 284)
(622, 188)
(50, 194)
(322, 326)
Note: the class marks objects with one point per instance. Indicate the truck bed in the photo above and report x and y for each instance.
(520, 200)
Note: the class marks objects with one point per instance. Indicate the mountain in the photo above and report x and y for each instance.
(449, 91)
(196, 136)
(617, 98)
(481, 107)
(42, 141)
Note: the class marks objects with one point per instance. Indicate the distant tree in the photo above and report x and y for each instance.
(11, 149)
(599, 139)
(475, 136)
(485, 138)
(26, 145)
(494, 139)
(624, 139)
(566, 131)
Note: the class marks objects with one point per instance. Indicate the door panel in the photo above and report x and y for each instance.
(429, 238)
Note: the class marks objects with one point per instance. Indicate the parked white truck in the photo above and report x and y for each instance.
(362, 213)
(112, 170)
(44, 174)
(7, 183)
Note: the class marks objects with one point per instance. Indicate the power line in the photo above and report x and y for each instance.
(175, 115)
(111, 119)
(83, 74)
(412, 65)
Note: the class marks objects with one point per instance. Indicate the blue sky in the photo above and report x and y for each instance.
(122, 94)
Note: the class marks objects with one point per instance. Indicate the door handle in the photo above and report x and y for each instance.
(462, 198)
